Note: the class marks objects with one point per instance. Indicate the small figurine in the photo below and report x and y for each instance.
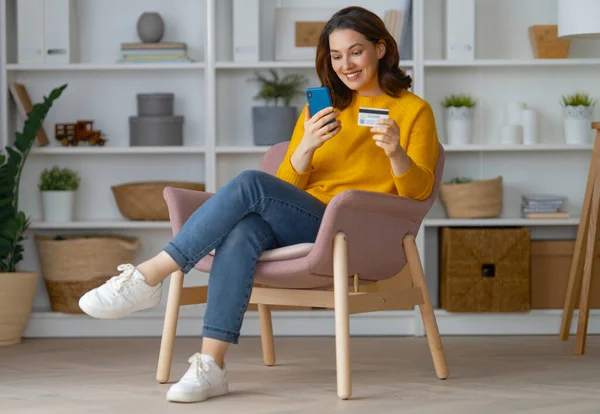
(71, 134)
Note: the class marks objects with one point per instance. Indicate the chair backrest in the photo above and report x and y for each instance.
(275, 155)
(273, 158)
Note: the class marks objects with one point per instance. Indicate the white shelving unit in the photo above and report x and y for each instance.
(215, 96)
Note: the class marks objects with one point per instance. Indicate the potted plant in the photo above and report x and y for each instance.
(578, 109)
(274, 122)
(459, 118)
(58, 187)
(17, 288)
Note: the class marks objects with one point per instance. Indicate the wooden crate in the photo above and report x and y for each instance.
(546, 44)
(550, 267)
(485, 269)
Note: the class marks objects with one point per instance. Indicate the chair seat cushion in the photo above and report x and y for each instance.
(295, 251)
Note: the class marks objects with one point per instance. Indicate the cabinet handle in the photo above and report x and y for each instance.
(57, 51)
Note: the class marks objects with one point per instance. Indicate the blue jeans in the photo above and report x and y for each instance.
(254, 212)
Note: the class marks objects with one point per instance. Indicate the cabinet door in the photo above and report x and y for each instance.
(30, 31)
(57, 28)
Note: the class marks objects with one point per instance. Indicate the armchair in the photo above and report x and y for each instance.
(364, 239)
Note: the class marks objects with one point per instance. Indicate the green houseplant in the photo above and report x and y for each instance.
(17, 288)
(459, 110)
(578, 110)
(58, 187)
(274, 122)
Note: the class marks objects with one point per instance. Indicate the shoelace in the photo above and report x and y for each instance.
(116, 283)
(201, 366)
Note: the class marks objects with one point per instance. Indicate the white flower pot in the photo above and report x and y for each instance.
(58, 206)
(459, 125)
(578, 124)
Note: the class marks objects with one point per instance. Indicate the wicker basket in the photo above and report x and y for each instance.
(485, 269)
(477, 199)
(75, 264)
(144, 200)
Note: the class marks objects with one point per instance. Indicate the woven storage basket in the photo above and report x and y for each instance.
(75, 264)
(485, 269)
(144, 200)
(477, 199)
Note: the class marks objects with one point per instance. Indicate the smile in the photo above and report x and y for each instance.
(353, 75)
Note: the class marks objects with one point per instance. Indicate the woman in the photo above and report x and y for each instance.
(357, 60)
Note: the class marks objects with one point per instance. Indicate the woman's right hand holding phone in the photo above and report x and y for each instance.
(317, 130)
(316, 133)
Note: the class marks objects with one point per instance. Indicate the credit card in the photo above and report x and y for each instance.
(370, 116)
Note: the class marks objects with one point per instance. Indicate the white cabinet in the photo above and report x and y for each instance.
(46, 31)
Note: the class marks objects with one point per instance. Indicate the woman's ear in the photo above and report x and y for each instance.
(380, 47)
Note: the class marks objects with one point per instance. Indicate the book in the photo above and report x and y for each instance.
(154, 46)
(24, 105)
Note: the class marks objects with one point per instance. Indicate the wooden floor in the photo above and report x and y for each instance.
(391, 375)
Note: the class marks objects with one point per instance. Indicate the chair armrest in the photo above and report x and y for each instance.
(182, 203)
(375, 224)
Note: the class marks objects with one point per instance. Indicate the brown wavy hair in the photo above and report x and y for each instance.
(392, 79)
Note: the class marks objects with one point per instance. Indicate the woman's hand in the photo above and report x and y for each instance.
(316, 129)
(387, 136)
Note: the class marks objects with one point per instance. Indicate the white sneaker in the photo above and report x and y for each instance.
(121, 295)
(202, 380)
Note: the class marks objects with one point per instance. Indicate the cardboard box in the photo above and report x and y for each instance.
(485, 269)
(550, 267)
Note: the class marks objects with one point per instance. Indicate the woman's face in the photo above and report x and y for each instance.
(356, 60)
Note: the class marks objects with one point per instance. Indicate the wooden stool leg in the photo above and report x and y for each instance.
(588, 269)
(165, 355)
(266, 334)
(576, 272)
(342, 316)
(431, 328)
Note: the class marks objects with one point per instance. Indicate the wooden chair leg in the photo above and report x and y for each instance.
(426, 309)
(266, 334)
(342, 316)
(165, 355)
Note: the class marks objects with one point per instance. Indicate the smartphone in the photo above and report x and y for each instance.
(318, 99)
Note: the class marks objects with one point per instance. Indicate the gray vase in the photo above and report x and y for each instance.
(150, 27)
(273, 124)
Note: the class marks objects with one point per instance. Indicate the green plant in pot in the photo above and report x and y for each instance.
(58, 187)
(578, 111)
(17, 288)
(459, 110)
(274, 122)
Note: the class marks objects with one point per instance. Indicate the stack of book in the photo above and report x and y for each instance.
(163, 52)
(397, 24)
(543, 206)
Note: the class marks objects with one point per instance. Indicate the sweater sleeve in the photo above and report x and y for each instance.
(286, 171)
(422, 149)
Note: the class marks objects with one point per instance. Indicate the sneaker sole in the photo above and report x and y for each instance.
(191, 397)
(113, 314)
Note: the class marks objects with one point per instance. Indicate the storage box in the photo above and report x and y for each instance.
(550, 267)
(155, 130)
(546, 44)
(485, 270)
(155, 104)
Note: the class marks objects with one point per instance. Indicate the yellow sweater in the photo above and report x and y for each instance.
(352, 160)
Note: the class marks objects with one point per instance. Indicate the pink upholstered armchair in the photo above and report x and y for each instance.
(364, 239)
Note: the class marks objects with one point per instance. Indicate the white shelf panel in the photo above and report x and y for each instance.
(243, 150)
(281, 64)
(492, 222)
(521, 147)
(108, 224)
(440, 63)
(105, 67)
(116, 150)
